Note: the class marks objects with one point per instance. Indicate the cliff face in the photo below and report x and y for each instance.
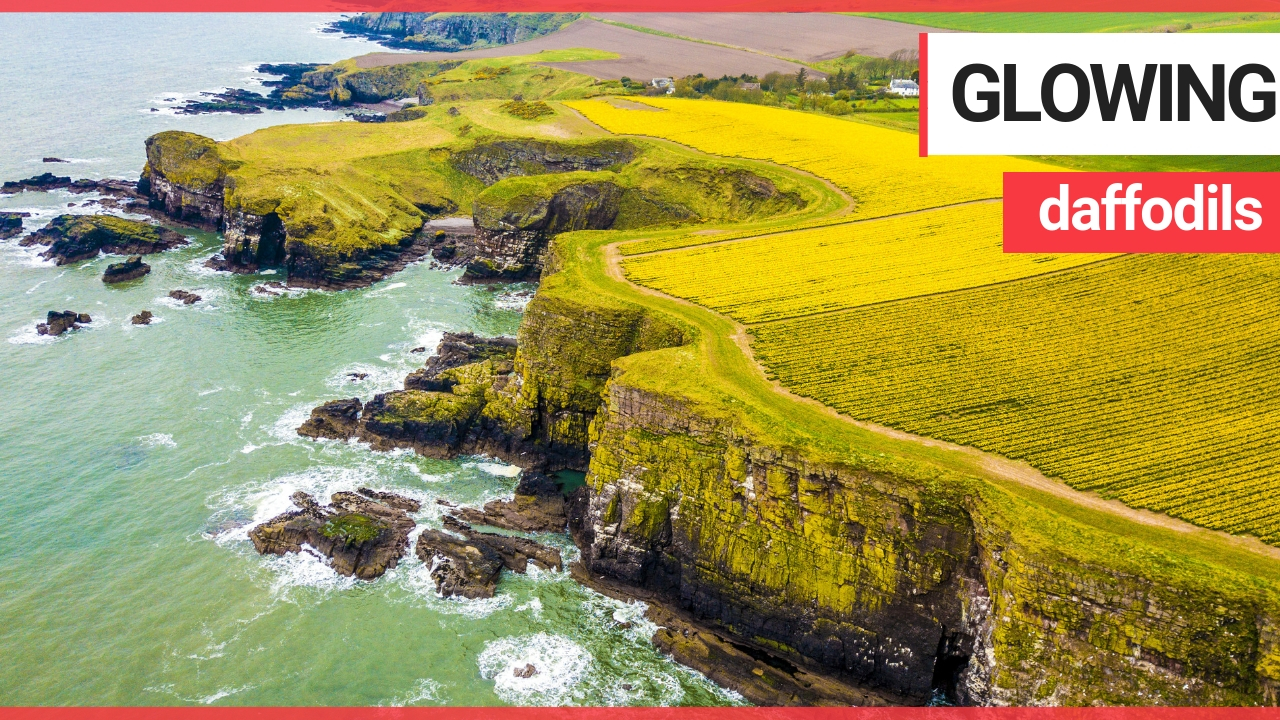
(920, 587)
(185, 176)
(893, 583)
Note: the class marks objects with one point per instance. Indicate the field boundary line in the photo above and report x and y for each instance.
(788, 231)
(998, 283)
(994, 465)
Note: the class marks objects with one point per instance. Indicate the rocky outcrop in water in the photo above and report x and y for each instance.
(72, 238)
(11, 224)
(538, 506)
(130, 269)
(59, 322)
(335, 420)
(454, 351)
(142, 318)
(186, 298)
(467, 563)
(364, 533)
(48, 181)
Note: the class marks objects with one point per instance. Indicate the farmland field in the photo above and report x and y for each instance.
(879, 167)
(1075, 22)
(1140, 377)
(1144, 378)
(844, 266)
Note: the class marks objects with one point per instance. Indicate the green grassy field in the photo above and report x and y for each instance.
(1084, 22)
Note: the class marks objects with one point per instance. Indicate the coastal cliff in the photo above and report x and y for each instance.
(348, 217)
(800, 576)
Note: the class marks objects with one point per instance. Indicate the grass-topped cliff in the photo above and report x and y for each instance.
(348, 81)
(324, 199)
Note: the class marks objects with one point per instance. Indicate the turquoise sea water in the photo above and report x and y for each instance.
(133, 459)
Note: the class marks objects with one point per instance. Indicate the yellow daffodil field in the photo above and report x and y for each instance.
(1138, 377)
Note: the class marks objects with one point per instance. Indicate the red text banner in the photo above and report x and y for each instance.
(1148, 212)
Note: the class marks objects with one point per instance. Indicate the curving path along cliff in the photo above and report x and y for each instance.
(995, 466)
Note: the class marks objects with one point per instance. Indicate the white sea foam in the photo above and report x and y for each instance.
(158, 440)
(560, 664)
(27, 335)
(415, 576)
(534, 606)
(223, 692)
(425, 692)
(513, 300)
(497, 469)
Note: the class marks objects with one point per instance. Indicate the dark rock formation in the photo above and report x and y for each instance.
(44, 181)
(451, 32)
(469, 566)
(53, 160)
(11, 224)
(363, 533)
(130, 269)
(59, 322)
(496, 161)
(142, 318)
(527, 671)
(79, 237)
(336, 420)
(539, 506)
(184, 178)
(454, 351)
(290, 91)
(187, 298)
(511, 238)
(49, 181)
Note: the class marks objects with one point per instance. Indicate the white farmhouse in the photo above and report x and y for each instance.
(904, 88)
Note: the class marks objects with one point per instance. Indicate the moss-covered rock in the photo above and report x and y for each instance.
(72, 238)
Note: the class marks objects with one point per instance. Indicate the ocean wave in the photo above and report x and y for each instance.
(561, 665)
(497, 469)
(516, 301)
(158, 440)
(27, 335)
(425, 692)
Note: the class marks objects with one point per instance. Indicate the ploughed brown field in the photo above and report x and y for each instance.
(808, 37)
(643, 55)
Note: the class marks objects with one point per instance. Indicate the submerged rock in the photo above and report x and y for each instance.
(363, 534)
(130, 269)
(142, 318)
(187, 298)
(336, 420)
(11, 224)
(527, 671)
(539, 506)
(57, 323)
(469, 566)
(79, 237)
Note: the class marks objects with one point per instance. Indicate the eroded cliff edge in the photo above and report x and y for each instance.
(892, 578)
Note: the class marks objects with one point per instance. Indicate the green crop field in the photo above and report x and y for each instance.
(1143, 378)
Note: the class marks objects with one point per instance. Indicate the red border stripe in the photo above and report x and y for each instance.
(639, 5)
